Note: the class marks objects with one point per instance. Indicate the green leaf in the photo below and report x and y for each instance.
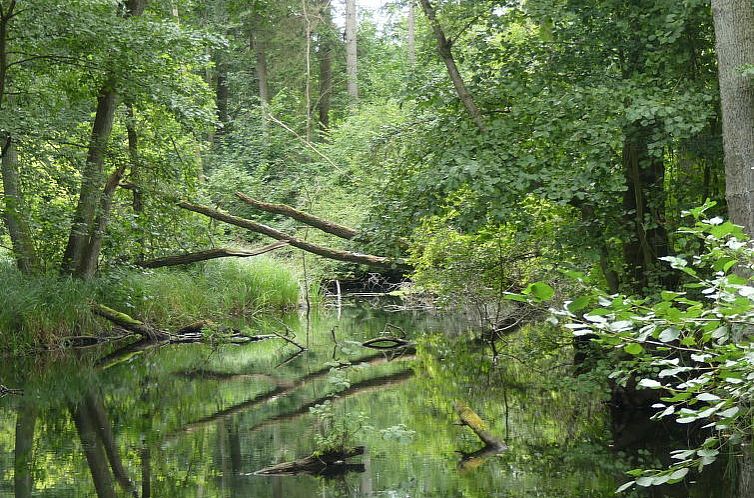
(579, 303)
(633, 348)
(540, 291)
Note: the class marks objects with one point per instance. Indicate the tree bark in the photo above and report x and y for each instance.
(734, 43)
(185, 259)
(88, 266)
(444, 47)
(91, 181)
(325, 65)
(351, 52)
(330, 227)
(128, 323)
(326, 252)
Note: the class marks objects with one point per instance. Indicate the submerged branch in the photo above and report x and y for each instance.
(330, 462)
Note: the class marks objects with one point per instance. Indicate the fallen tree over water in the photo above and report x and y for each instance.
(223, 252)
(325, 252)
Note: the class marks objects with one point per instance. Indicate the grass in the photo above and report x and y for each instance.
(39, 310)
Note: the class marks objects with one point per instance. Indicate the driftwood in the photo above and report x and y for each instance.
(223, 252)
(326, 252)
(330, 227)
(387, 342)
(328, 463)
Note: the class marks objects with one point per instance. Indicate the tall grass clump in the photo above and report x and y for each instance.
(216, 290)
(38, 310)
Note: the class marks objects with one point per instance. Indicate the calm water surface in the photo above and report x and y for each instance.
(191, 421)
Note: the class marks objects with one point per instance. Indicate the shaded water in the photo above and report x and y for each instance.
(197, 421)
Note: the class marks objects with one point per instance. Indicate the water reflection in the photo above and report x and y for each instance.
(195, 421)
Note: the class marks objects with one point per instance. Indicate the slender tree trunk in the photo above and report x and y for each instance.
(24, 250)
(79, 257)
(308, 74)
(351, 52)
(644, 205)
(138, 196)
(22, 459)
(221, 94)
(257, 45)
(411, 36)
(734, 34)
(444, 47)
(325, 65)
(13, 199)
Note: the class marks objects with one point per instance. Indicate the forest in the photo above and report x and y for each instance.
(232, 229)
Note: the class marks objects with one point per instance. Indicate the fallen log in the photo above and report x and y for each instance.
(470, 419)
(128, 323)
(327, 463)
(330, 227)
(325, 252)
(223, 252)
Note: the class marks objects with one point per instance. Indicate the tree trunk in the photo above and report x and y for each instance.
(80, 257)
(351, 52)
(257, 45)
(138, 197)
(411, 35)
(91, 182)
(444, 47)
(734, 35)
(325, 65)
(14, 206)
(644, 208)
(185, 259)
(19, 231)
(221, 94)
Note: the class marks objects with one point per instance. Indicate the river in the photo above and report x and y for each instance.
(198, 420)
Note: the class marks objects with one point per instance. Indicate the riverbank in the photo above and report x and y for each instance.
(40, 311)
